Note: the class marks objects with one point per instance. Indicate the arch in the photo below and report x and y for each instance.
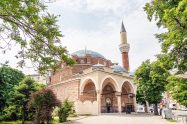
(129, 86)
(109, 103)
(127, 96)
(112, 81)
(85, 81)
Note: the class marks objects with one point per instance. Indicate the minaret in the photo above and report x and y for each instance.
(124, 47)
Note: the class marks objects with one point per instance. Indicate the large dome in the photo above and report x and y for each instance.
(83, 53)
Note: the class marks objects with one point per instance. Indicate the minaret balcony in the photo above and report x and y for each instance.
(124, 47)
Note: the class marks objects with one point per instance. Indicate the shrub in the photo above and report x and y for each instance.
(43, 102)
(65, 110)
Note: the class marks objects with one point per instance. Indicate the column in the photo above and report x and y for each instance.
(135, 106)
(118, 94)
(119, 104)
(99, 101)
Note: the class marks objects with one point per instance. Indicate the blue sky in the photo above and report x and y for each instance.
(95, 24)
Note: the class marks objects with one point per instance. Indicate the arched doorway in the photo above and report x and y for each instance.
(88, 92)
(127, 98)
(108, 98)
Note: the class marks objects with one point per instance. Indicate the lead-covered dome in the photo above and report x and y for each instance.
(83, 53)
(118, 68)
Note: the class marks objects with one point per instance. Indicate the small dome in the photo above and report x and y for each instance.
(118, 68)
(83, 53)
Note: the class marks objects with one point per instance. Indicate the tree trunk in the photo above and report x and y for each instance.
(155, 109)
(37, 118)
(145, 107)
(23, 114)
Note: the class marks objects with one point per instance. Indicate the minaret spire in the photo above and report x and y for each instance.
(122, 27)
(124, 47)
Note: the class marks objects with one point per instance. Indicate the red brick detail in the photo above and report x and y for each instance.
(125, 60)
(89, 93)
(92, 60)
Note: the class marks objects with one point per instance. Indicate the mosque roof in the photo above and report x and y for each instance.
(118, 68)
(83, 53)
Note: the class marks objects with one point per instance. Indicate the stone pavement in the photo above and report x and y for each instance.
(121, 119)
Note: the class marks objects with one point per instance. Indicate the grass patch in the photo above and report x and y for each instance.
(14, 122)
(55, 121)
(182, 115)
(85, 114)
(172, 120)
(73, 115)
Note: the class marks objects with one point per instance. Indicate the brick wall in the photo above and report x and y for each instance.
(92, 60)
(61, 75)
(79, 68)
(65, 73)
(68, 90)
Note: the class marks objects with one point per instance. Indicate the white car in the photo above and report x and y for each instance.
(183, 108)
(140, 108)
(173, 106)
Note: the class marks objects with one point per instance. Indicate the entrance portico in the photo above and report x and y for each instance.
(115, 93)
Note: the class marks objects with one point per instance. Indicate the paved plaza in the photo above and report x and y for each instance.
(121, 119)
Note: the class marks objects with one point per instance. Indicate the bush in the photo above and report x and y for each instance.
(43, 102)
(65, 110)
(10, 113)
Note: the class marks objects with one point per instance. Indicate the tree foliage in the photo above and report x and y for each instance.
(65, 110)
(9, 77)
(21, 96)
(44, 102)
(28, 24)
(151, 80)
(177, 88)
(140, 97)
(171, 15)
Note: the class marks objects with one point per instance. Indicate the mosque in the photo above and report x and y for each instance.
(95, 84)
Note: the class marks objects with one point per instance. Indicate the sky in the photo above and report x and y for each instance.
(95, 25)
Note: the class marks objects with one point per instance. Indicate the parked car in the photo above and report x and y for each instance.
(173, 106)
(183, 108)
(140, 108)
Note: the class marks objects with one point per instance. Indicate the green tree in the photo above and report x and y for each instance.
(22, 94)
(65, 110)
(151, 80)
(27, 23)
(177, 88)
(171, 15)
(44, 102)
(9, 77)
(140, 98)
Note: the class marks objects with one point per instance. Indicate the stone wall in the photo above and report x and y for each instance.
(86, 107)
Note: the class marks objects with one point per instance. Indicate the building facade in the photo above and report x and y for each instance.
(95, 84)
